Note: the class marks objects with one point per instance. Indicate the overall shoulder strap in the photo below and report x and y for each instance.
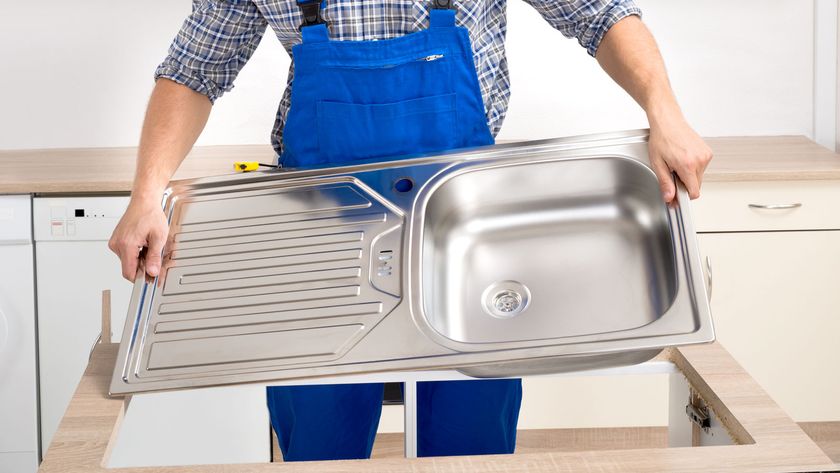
(442, 14)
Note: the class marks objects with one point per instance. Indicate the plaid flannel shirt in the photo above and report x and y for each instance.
(219, 36)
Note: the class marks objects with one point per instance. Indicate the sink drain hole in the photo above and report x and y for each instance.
(505, 299)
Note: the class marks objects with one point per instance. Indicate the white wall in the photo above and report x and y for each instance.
(825, 72)
(79, 73)
(837, 93)
(738, 68)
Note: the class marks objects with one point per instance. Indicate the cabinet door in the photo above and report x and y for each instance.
(776, 307)
(71, 276)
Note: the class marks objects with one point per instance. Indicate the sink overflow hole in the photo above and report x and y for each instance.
(384, 268)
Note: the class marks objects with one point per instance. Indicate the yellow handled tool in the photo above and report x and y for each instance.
(248, 166)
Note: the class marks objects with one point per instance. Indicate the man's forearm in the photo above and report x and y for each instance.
(174, 119)
(628, 53)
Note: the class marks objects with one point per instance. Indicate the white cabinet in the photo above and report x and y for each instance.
(219, 425)
(18, 406)
(776, 294)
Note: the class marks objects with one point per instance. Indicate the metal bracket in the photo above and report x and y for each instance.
(311, 13)
(699, 415)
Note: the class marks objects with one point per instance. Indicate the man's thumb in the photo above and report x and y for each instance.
(153, 259)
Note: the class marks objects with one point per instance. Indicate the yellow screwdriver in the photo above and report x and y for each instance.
(248, 166)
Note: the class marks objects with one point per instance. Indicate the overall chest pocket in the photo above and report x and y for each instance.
(398, 106)
(351, 131)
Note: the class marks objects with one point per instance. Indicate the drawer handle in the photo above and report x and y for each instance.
(795, 205)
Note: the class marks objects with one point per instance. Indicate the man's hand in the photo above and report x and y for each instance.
(630, 56)
(142, 226)
(675, 147)
(174, 119)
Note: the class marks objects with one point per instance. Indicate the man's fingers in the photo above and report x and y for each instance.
(142, 226)
(705, 160)
(153, 258)
(128, 258)
(678, 148)
(666, 181)
(690, 180)
(113, 246)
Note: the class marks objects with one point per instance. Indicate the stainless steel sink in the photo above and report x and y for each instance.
(508, 260)
(536, 251)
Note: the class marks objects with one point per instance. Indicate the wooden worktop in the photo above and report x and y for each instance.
(83, 170)
(770, 158)
(768, 440)
(112, 169)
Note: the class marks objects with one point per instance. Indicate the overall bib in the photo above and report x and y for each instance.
(354, 100)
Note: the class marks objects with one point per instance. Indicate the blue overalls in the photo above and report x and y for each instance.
(352, 100)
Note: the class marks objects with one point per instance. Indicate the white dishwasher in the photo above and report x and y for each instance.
(18, 396)
(74, 266)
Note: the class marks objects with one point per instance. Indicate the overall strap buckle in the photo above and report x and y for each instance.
(311, 12)
(442, 4)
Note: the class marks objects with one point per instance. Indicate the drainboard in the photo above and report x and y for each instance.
(264, 279)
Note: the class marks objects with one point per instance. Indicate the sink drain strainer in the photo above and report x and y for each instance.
(505, 299)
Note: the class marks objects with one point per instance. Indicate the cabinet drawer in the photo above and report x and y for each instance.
(757, 206)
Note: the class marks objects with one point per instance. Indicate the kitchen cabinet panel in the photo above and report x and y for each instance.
(776, 307)
(71, 277)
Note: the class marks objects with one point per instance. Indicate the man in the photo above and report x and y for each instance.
(379, 80)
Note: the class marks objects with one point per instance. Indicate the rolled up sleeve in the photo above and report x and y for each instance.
(586, 20)
(214, 43)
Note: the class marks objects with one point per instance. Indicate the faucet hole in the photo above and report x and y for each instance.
(403, 184)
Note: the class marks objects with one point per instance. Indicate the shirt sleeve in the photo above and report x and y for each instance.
(214, 43)
(586, 20)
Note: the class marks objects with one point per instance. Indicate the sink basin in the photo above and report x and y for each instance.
(545, 250)
(536, 257)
